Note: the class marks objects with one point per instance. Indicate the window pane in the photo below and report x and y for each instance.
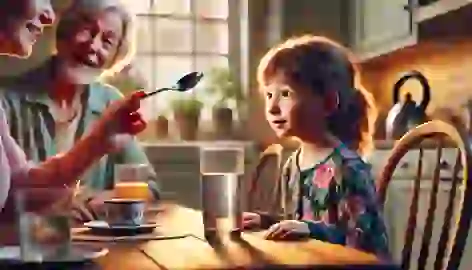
(171, 68)
(143, 64)
(171, 6)
(212, 8)
(138, 6)
(173, 35)
(212, 37)
(206, 63)
(144, 39)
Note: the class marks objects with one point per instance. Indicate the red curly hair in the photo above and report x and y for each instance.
(322, 65)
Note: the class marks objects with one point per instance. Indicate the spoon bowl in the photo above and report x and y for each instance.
(187, 82)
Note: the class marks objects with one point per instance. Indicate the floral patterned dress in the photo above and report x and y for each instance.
(337, 199)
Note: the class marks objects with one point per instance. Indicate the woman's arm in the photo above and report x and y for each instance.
(65, 169)
(120, 117)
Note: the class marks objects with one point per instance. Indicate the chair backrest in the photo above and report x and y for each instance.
(264, 184)
(453, 235)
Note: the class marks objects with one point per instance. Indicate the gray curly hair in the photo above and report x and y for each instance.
(82, 8)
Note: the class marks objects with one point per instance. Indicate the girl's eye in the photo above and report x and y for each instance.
(269, 95)
(285, 93)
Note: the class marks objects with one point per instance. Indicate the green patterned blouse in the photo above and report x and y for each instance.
(337, 199)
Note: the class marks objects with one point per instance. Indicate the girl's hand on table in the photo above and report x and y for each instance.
(251, 220)
(287, 229)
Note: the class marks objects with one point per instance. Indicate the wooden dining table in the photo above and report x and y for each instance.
(249, 251)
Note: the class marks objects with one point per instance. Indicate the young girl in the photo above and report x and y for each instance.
(327, 190)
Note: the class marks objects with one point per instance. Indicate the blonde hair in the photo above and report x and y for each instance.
(126, 46)
(323, 65)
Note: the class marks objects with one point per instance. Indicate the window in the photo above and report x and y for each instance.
(176, 37)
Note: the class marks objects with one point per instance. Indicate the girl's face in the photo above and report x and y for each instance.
(25, 24)
(293, 111)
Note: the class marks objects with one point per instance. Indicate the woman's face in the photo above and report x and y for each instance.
(24, 24)
(92, 44)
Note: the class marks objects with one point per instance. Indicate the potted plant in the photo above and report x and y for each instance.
(187, 116)
(222, 84)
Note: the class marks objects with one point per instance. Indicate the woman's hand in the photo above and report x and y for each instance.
(287, 229)
(251, 220)
(92, 208)
(121, 117)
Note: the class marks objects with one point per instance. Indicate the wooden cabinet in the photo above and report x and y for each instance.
(379, 27)
(319, 17)
(369, 27)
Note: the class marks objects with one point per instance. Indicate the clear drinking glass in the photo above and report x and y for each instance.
(44, 222)
(221, 168)
(131, 181)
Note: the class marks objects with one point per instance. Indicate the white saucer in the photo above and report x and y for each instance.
(101, 226)
(78, 254)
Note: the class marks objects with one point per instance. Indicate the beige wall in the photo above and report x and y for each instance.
(446, 64)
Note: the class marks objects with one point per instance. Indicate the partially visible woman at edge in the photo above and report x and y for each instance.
(21, 24)
(65, 95)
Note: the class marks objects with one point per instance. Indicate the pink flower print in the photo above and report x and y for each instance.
(308, 215)
(327, 218)
(355, 206)
(323, 176)
(353, 236)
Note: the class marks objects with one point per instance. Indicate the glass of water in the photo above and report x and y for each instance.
(44, 223)
(221, 169)
(131, 181)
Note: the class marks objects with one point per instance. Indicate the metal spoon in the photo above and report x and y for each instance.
(185, 83)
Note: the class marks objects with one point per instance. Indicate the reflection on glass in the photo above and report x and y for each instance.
(207, 63)
(145, 68)
(212, 8)
(138, 6)
(171, 68)
(212, 37)
(171, 6)
(173, 35)
(145, 40)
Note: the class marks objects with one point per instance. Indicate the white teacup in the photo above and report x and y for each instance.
(124, 212)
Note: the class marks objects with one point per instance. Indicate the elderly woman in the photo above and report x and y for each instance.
(63, 97)
(21, 23)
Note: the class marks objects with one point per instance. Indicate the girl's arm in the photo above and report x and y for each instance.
(360, 223)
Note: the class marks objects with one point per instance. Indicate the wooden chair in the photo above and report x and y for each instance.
(452, 239)
(264, 185)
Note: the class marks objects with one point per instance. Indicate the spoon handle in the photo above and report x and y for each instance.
(152, 93)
